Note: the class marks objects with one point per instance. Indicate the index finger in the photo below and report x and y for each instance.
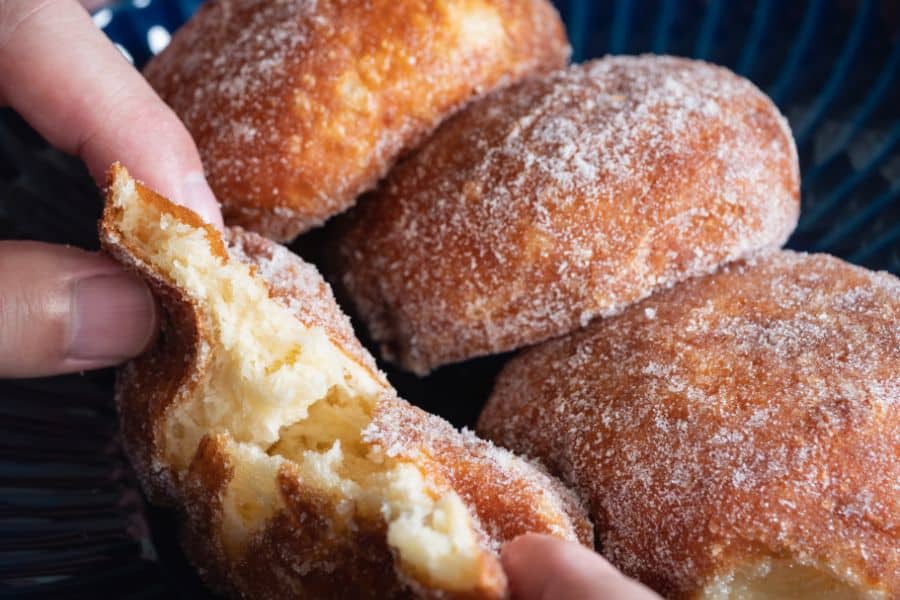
(62, 74)
(541, 567)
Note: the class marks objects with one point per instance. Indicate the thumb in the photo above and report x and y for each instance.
(63, 309)
(541, 567)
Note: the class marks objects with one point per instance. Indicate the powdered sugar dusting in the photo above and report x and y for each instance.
(757, 413)
(563, 199)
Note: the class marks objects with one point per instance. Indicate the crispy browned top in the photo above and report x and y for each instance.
(566, 198)
(297, 106)
(752, 412)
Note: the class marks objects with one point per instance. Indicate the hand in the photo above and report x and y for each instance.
(541, 567)
(63, 309)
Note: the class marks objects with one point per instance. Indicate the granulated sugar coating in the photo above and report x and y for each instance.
(509, 495)
(261, 418)
(564, 199)
(300, 287)
(298, 106)
(752, 413)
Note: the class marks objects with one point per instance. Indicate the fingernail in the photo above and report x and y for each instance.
(113, 318)
(197, 195)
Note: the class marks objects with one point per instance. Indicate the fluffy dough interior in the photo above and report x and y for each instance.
(283, 391)
(784, 578)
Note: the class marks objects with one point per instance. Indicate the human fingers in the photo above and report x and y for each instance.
(63, 309)
(541, 567)
(66, 79)
(92, 5)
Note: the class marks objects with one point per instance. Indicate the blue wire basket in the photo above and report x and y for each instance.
(72, 522)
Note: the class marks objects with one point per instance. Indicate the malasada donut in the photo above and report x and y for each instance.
(737, 436)
(298, 106)
(297, 470)
(563, 199)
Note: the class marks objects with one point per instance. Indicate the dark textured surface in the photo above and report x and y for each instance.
(72, 523)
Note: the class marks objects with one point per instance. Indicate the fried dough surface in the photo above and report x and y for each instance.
(297, 469)
(566, 198)
(298, 106)
(737, 436)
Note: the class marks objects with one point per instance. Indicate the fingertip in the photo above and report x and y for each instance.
(198, 196)
(524, 560)
(512, 552)
(66, 309)
(114, 318)
(514, 557)
(541, 567)
(85, 99)
(138, 125)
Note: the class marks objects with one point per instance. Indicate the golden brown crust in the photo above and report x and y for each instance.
(307, 550)
(750, 413)
(346, 558)
(155, 380)
(203, 491)
(339, 554)
(299, 106)
(506, 493)
(174, 366)
(180, 213)
(313, 545)
(565, 198)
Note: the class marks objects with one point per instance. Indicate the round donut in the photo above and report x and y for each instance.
(297, 470)
(563, 199)
(737, 436)
(298, 106)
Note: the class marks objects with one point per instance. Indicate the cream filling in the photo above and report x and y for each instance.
(784, 578)
(284, 391)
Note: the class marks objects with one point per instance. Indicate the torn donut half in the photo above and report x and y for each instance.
(297, 469)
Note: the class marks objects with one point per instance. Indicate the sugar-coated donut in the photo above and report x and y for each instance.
(297, 470)
(737, 436)
(298, 106)
(563, 199)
